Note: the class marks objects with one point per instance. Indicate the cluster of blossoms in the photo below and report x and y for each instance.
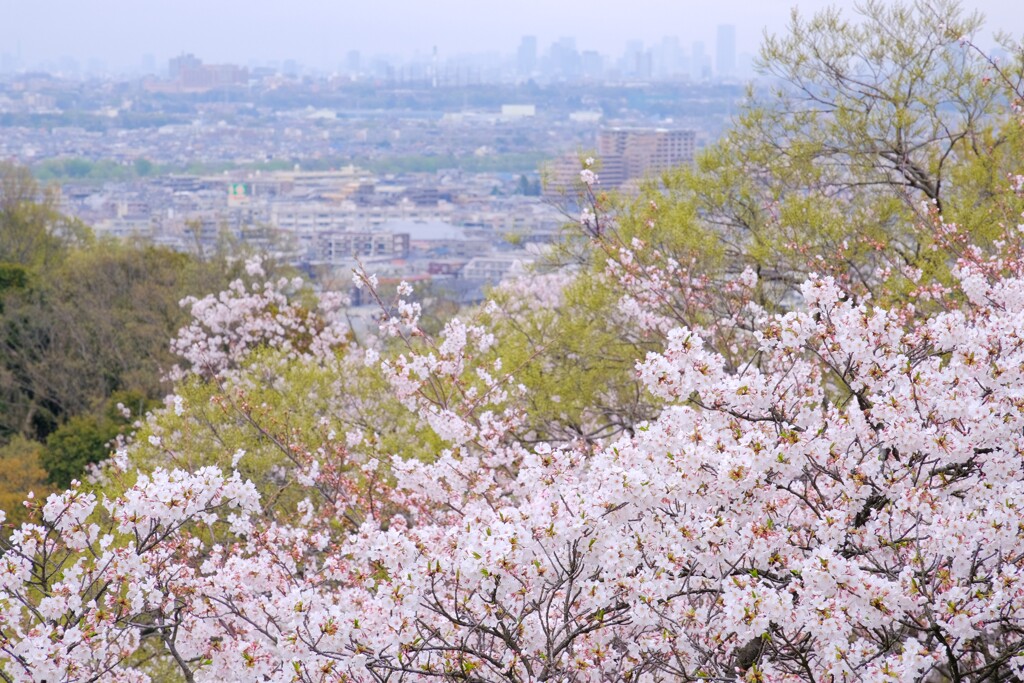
(458, 394)
(839, 498)
(847, 507)
(226, 327)
(659, 293)
(83, 588)
(588, 177)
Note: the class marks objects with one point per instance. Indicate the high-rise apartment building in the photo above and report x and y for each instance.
(636, 153)
(624, 155)
(178, 66)
(725, 51)
(189, 72)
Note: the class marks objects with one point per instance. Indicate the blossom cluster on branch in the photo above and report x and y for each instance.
(226, 327)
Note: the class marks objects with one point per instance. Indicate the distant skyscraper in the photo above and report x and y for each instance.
(352, 62)
(527, 55)
(633, 59)
(725, 51)
(700, 63)
(566, 59)
(68, 65)
(593, 64)
(669, 58)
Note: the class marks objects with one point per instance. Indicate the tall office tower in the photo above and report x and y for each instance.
(700, 63)
(68, 65)
(565, 59)
(669, 58)
(725, 51)
(593, 64)
(353, 62)
(633, 58)
(527, 55)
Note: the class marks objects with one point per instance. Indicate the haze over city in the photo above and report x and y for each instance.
(118, 34)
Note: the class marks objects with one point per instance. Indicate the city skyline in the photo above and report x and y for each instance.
(120, 36)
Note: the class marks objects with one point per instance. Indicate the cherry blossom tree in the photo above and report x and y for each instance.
(226, 327)
(843, 505)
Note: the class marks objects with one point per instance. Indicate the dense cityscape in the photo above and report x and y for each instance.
(454, 169)
(563, 61)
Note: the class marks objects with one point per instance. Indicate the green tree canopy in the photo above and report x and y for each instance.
(96, 321)
(32, 231)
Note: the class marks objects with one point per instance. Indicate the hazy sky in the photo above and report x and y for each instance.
(321, 32)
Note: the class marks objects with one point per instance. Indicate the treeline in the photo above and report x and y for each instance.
(94, 123)
(84, 331)
(79, 170)
(105, 170)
